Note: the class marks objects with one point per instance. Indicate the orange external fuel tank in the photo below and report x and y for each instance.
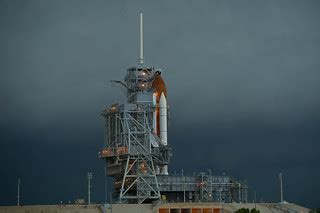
(159, 87)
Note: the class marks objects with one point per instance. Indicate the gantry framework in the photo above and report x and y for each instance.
(202, 187)
(133, 150)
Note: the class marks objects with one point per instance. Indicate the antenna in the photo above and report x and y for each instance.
(89, 186)
(18, 195)
(281, 189)
(140, 60)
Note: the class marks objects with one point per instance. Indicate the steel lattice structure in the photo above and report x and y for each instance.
(136, 149)
(133, 149)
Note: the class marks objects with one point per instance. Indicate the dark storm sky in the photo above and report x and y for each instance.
(243, 80)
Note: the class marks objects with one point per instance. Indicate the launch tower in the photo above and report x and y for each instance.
(136, 134)
(137, 153)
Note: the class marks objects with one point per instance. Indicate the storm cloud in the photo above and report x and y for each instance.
(243, 89)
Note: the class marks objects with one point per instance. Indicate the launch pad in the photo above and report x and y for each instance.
(136, 151)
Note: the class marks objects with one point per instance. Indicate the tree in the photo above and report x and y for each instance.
(246, 210)
(243, 210)
(255, 210)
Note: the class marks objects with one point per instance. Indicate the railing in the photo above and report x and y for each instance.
(111, 152)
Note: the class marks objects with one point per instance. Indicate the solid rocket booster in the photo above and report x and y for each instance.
(163, 128)
(163, 119)
(154, 124)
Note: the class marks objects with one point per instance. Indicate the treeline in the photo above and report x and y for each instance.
(246, 210)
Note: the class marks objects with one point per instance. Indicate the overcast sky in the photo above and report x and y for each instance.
(243, 84)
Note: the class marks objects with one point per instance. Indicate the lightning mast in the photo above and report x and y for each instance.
(89, 175)
(281, 188)
(18, 193)
(140, 60)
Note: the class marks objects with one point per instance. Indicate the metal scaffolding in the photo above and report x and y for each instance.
(136, 148)
(202, 188)
(133, 149)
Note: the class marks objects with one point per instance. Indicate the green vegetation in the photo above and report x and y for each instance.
(244, 210)
(255, 210)
(315, 210)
